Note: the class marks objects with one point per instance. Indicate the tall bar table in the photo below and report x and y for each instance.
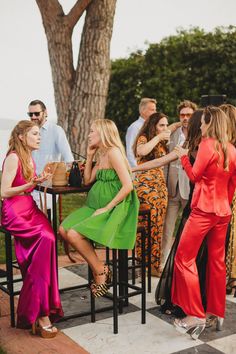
(54, 191)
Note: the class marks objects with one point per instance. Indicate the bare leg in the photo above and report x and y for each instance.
(63, 233)
(84, 247)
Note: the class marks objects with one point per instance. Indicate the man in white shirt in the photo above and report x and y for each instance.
(147, 107)
(54, 145)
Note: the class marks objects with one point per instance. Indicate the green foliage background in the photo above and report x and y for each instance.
(185, 66)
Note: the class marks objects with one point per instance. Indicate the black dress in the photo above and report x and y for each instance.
(163, 290)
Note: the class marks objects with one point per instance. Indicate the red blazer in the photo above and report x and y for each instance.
(214, 187)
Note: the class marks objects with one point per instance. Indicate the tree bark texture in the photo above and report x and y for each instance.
(81, 92)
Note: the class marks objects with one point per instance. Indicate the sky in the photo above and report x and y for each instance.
(25, 72)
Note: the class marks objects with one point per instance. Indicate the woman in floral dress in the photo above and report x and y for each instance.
(151, 143)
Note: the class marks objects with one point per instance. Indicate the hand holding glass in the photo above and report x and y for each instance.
(180, 151)
(164, 136)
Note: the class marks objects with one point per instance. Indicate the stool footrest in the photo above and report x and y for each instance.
(7, 286)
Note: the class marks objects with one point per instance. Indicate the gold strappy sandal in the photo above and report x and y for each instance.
(44, 331)
(101, 289)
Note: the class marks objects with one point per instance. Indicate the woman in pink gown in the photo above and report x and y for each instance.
(39, 300)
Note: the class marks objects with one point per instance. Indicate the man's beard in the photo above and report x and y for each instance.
(37, 121)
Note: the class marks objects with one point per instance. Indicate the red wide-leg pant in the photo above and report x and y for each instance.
(185, 286)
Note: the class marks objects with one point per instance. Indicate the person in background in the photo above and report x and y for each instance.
(147, 106)
(150, 185)
(110, 214)
(230, 111)
(151, 143)
(54, 145)
(214, 175)
(39, 301)
(163, 290)
(177, 180)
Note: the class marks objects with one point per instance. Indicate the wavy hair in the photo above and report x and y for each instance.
(218, 129)
(186, 104)
(194, 132)
(149, 131)
(18, 145)
(230, 111)
(110, 136)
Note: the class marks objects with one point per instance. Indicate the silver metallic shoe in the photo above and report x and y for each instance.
(214, 321)
(195, 328)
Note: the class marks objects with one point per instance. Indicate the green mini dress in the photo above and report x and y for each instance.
(116, 228)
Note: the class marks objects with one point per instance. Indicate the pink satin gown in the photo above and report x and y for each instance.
(36, 256)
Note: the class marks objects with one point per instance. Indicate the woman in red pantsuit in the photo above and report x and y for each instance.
(214, 175)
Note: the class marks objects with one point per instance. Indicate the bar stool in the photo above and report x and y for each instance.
(121, 285)
(144, 211)
(7, 286)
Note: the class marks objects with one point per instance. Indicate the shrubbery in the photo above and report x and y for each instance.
(185, 66)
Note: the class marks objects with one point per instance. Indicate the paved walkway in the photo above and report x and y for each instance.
(79, 335)
(17, 341)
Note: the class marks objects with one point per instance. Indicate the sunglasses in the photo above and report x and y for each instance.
(36, 114)
(187, 115)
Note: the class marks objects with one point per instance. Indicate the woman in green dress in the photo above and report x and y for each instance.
(110, 214)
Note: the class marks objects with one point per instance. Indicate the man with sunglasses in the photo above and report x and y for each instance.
(177, 180)
(54, 145)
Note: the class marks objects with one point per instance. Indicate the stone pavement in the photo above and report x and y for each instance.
(16, 341)
(79, 335)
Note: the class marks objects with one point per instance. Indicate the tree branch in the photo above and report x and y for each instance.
(50, 10)
(77, 11)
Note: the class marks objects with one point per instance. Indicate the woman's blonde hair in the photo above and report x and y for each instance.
(218, 129)
(110, 136)
(230, 111)
(17, 143)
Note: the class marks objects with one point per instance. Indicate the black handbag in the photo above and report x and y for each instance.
(75, 178)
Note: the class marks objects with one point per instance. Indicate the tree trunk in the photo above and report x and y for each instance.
(80, 94)
(89, 93)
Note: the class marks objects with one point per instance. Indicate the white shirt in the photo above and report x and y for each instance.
(54, 146)
(183, 180)
(182, 138)
(130, 137)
